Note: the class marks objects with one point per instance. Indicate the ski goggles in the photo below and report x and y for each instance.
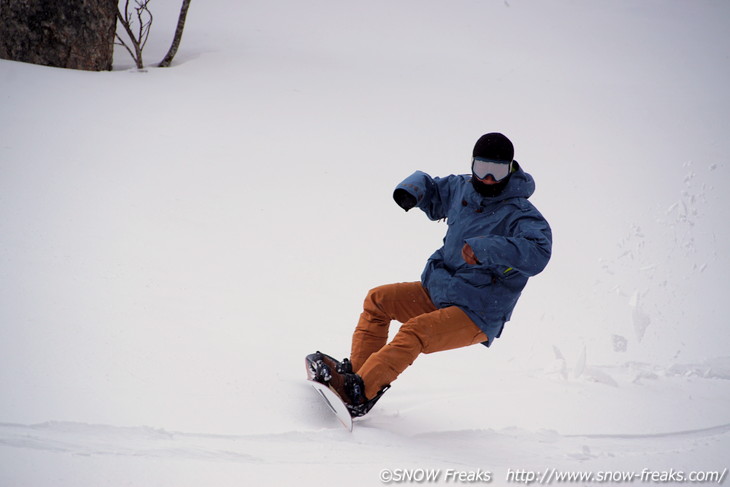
(484, 167)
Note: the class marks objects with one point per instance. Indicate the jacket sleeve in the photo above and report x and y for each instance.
(527, 250)
(432, 195)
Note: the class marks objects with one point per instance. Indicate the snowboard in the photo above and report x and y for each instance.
(334, 403)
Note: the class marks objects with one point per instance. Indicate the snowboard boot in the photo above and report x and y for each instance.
(351, 389)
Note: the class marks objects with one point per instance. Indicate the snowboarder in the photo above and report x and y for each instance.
(496, 239)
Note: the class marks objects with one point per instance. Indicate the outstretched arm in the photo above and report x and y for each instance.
(421, 190)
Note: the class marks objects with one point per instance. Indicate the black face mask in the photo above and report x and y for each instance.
(489, 190)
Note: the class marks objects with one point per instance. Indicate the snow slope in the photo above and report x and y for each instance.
(173, 242)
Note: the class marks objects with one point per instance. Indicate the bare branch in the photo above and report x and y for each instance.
(144, 21)
(122, 43)
(139, 25)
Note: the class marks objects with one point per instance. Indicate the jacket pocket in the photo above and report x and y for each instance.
(477, 278)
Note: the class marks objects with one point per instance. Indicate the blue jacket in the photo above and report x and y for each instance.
(511, 240)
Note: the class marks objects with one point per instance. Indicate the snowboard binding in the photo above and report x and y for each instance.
(320, 367)
(340, 378)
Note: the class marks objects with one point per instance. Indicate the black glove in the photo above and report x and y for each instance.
(404, 199)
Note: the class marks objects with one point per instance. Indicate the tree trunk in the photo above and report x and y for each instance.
(77, 35)
(178, 35)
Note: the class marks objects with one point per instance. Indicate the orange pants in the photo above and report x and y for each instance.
(424, 329)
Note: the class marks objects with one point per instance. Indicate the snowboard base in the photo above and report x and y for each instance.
(334, 403)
